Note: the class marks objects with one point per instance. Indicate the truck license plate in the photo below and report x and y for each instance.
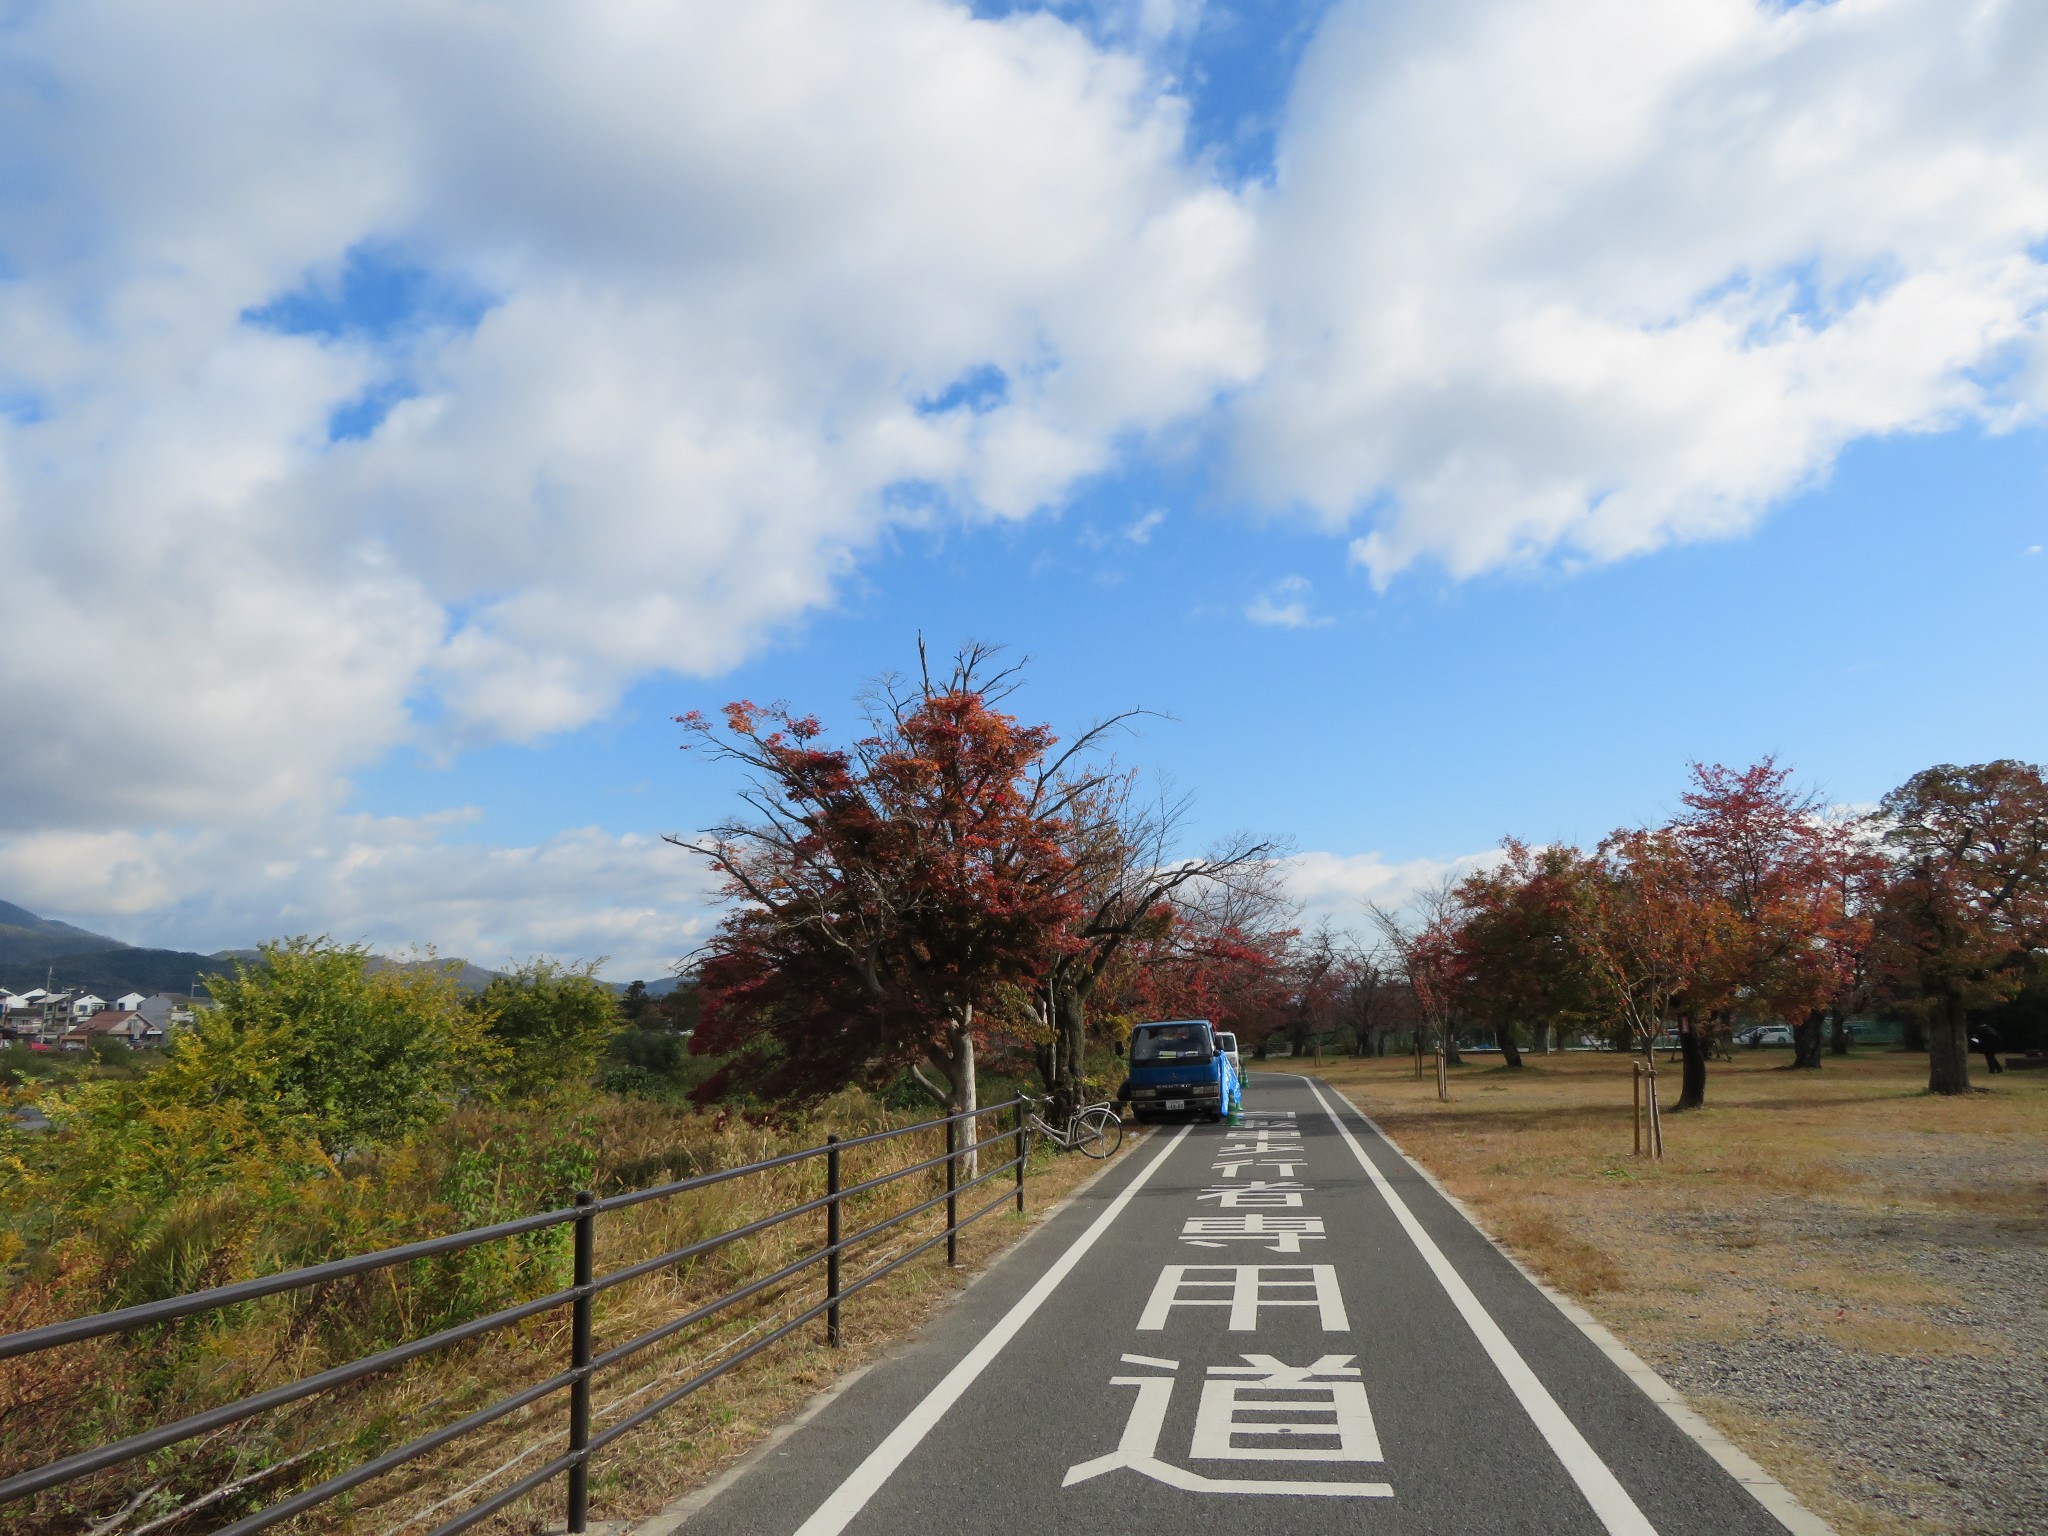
(1176, 1103)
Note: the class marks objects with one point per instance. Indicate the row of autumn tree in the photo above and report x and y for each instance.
(1756, 902)
(954, 884)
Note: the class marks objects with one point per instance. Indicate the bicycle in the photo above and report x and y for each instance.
(1093, 1130)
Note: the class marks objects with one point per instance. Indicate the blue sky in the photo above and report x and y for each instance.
(1455, 417)
(1427, 720)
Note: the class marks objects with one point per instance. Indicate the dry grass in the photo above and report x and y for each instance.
(676, 1451)
(688, 1446)
(1844, 1207)
(691, 1442)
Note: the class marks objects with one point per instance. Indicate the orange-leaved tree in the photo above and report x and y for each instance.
(1425, 944)
(1650, 931)
(1515, 939)
(1967, 904)
(1767, 851)
(886, 894)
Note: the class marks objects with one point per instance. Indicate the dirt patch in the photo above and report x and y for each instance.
(1848, 1277)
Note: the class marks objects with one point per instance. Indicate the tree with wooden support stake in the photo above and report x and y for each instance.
(1647, 930)
(1649, 1123)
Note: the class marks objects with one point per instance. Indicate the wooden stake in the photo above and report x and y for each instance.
(1656, 1118)
(1443, 1077)
(1636, 1086)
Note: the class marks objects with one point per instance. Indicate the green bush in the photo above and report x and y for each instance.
(19, 1064)
(654, 1064)
(109, 1052)
(551, 1024)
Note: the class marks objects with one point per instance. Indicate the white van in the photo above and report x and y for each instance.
(1226, 1042)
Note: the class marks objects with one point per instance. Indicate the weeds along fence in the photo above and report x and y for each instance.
(440, 1432)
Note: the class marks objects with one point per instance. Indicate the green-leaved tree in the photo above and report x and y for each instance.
(550, 1025)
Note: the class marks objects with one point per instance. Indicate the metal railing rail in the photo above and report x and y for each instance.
(586, 1285)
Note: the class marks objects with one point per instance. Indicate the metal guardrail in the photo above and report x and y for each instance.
(585, 1287)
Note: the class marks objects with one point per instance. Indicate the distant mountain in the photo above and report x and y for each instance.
(26, 938)
(111, 972)
(33, 948)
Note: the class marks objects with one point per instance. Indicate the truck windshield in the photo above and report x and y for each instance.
(1171, 1042)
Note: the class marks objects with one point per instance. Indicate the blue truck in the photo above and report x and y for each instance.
(1178, 1068)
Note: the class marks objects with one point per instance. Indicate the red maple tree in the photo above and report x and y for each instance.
(885, 894)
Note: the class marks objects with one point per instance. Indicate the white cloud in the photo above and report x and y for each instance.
(1141, 531)
(730, 252)
(1589, 276)
(1338, 886)
(390, 881)
(1284, 605)
(1538, 279)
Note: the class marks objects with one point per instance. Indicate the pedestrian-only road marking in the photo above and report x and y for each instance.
(1610, 1501)
(851, 1496)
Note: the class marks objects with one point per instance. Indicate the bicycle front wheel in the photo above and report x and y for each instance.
(1098, 1132)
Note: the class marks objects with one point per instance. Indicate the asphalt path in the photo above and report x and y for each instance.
(1270, 1326)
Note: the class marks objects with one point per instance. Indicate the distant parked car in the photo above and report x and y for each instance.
(1765, 1034)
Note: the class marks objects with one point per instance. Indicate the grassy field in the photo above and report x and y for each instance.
(1849, 1277)
(53, 1404)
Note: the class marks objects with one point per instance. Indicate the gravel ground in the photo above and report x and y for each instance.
(1951, 1442)
(1956, 1444)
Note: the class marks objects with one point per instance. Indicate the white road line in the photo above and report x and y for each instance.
(851, 1496)
(1610, 1501)
(1775, 1497)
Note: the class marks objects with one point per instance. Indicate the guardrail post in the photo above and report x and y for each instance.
(579, 1359)
(1023, 1152)
(832, 1240)
(952, 1184)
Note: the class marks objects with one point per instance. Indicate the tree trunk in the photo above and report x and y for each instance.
(1542, 1038)
(961, 1080)
(1450, 1039)
(1948, 1049)
(1806, 1039)
(1692, 1051)
(1504, 1032)
(1838, 1032)
(1070, 1033)
(1913, 1033)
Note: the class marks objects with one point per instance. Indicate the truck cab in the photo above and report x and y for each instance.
(1178, 1068)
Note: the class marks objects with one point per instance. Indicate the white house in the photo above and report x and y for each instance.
(85, 1007)
(128, 1002)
